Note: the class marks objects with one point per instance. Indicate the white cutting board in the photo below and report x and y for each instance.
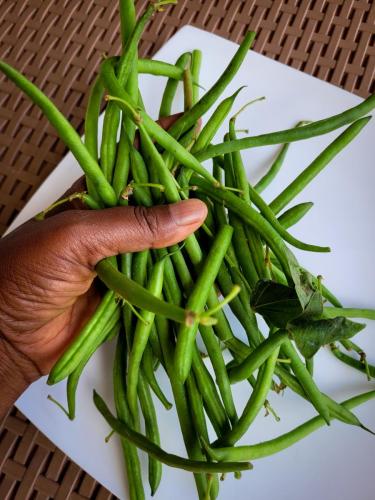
(334, 463)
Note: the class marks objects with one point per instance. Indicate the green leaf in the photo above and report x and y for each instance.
(309, 335)
(314, 308)
(277, 303)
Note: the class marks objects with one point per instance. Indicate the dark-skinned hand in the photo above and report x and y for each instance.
(47, 273)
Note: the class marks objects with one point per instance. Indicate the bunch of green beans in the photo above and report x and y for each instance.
(159, 303)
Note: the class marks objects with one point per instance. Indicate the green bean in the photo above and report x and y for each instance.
(130, 453)
(121, 168)
(109, 140)
(214, 408)
(282, 442)
(141, 118)
(310, 172)
(137, 295)
(197, 413)
(241, 182)
(249, 216)
(309, 362)
(256, 359)
(156, 452)
(112, 113)
(81, 345)
(127, 20)
(305, 379)
(66, 132)
(122, 163)
(314, 129)
(294, 214)
(208, 132)
(152, 432)
(196, 62)
(154, 344)
(91, 127)
(160, 68)
(241, 351)
(170, 279)
(274, 169)
(268, 214)
(354, 363)
(141, 335)
(148, 372)
(162, 173)
(188, 87)
(139, 267)
(255, 403)
(242, 311)
(198, 298)
(111, 330)
(196, 405)
(214, 352)
(183, 410)
(171, 86)
(334, 312)
(240, 243)
(188, 119)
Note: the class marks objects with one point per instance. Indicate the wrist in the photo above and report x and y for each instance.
(16, 373)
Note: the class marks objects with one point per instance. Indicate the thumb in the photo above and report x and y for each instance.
(102, 233)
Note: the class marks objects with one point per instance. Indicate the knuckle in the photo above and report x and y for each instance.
(148, 221)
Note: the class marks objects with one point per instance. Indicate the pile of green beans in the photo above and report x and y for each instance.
(159, 303)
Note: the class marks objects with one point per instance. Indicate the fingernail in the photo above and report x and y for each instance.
(188, 212)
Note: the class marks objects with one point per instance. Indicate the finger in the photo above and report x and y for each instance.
(90, 236)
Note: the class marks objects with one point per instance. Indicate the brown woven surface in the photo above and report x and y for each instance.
(59, 43)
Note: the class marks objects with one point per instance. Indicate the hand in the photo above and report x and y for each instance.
(47, 272)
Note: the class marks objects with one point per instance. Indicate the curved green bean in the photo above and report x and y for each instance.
(188, 119)
(148, 371)
(153, 450)
(255, 403)
(306, 381)
(213, 124)
(111, 330)
(66, 132)
(249, 216)
(198, 298)
(368, 370)
(310, 172)
(269, 215)
(255, 360)
(267, 448)
(294, 214)
(137, 295)
(274, 169)
(314, 129)
(80, 347)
